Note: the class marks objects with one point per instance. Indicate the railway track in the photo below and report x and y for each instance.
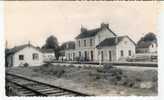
(29, 87)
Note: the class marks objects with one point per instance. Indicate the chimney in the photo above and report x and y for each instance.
(83, 29)
(103, 25)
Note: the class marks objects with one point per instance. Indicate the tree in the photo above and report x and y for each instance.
(52, 43)
(148, 37)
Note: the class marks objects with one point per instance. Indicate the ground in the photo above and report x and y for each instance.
(98, 81)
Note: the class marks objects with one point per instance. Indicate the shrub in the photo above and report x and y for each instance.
(46, 64)
(26, 65)
(107, 66)
(59, 73)
(10, 90)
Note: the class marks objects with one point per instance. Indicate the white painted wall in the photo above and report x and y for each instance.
(88, 50)
(27, 52)
(103, 34)
(125, 45)
(87, 43)
(106, 53)
(69, 54)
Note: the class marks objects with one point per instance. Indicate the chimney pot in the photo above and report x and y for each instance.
(104, 25)
(83, 29)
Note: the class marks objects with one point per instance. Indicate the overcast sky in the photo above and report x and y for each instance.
(35, 21)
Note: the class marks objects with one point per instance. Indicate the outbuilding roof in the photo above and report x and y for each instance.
(18, 48)
(112, 41)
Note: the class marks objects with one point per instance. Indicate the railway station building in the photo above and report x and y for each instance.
(101, 44)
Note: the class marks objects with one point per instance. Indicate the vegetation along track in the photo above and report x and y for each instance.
(29, 87)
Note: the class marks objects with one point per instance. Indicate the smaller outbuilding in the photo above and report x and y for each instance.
(28, 55)
(24, 55)
(68, 51)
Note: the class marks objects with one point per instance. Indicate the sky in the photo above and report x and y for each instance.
(34, 21)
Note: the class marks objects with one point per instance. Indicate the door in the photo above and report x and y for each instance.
(110, 56)
(91, 55)
(85, 55)
(102, 56)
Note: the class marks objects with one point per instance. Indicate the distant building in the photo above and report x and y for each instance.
(48, 54)
(101, 44)
(68, 51)
(147, 47)
(24, 55)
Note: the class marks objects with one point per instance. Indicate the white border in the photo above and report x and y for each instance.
(161, 67)
(2, 68)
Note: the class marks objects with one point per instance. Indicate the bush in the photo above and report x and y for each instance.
(10, 90)
(107, 66)
(26, 65)
(116, 76)
(59, 73)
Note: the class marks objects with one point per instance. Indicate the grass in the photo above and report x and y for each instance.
(97, 77)
(113, 75)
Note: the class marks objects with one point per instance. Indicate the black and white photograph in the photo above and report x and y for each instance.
(81, 49)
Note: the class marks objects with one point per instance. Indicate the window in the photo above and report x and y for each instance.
(79, 54)
(84, 43)
(85, 55)
(79, 43)
(152, 45)
(91, 55)
(102, 56)
(90, 42)
(35, 56)
(110, 56)
(21, 57)
(122, 53)
(69, 56)
(130, 53)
